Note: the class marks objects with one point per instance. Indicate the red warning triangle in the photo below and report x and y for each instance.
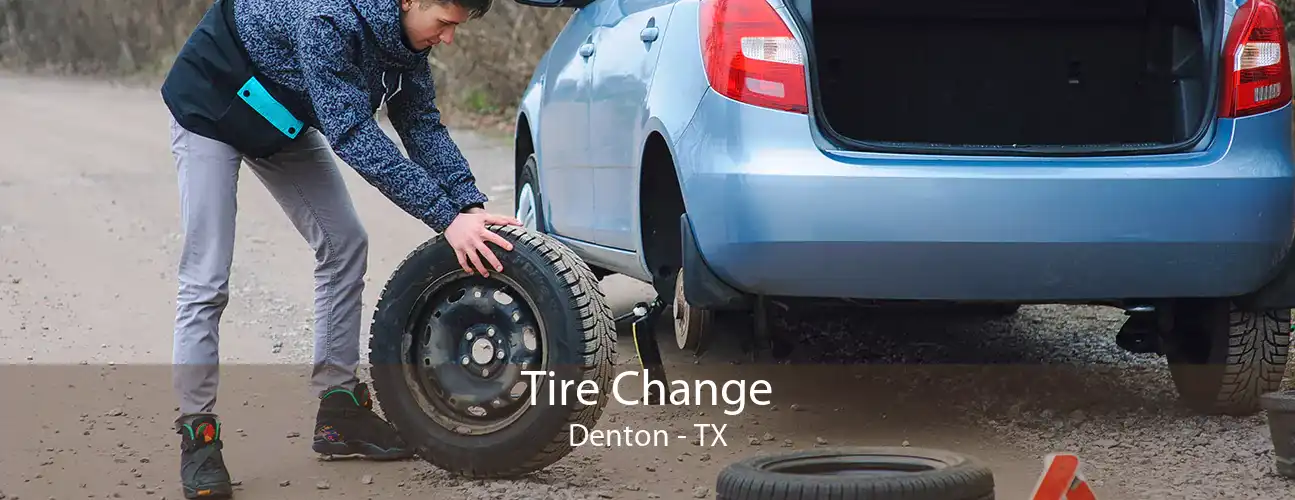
(1061, 480)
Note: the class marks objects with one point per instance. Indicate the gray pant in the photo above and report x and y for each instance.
(308, 186)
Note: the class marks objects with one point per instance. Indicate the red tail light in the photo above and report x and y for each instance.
(751, 55)
(1256, 68)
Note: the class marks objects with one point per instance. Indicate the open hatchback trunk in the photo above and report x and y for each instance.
(1034, 76)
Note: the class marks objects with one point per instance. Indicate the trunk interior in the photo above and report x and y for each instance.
(1069, 74)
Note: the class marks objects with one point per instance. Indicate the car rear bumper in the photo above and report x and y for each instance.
(773, 214)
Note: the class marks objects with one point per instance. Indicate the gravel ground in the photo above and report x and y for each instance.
(1076, 391)
(84, 349)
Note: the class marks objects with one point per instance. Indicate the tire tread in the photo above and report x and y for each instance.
(1251, 362)
(964, 478)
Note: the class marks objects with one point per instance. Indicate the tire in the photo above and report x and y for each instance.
(992, 311)
(914, 474)
(1005, 310)
(571, 331)
(1223, 359)
(529, 178)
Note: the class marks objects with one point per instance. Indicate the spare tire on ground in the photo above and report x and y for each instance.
(873, 473)
(448, 352)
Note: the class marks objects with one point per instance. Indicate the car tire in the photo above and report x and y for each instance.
(919, 473)
(993, 310)
(551, 316)
(1005, 310)
(527, 195)
(1223, 359)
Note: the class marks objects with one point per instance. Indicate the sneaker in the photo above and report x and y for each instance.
(346, 425)
(202, 466)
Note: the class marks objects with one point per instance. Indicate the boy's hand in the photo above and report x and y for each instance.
(468, 236)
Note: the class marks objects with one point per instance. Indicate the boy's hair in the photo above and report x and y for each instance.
(475, 8)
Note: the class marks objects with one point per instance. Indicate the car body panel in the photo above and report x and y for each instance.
(632, 33)
(564, 130)
(776, 211)
(778, 216)
(672, 98)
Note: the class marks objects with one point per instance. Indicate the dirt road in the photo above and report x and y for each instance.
(88, 242)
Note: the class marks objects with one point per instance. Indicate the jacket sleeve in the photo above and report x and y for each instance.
(416, 119)
(342, 106)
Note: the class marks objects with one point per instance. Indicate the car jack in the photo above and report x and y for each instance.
(643, 327)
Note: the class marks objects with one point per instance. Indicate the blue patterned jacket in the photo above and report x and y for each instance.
(330, 64)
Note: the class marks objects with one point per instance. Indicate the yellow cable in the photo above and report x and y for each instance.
(634, 330)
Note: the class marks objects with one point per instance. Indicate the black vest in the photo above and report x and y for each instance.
(214, 90)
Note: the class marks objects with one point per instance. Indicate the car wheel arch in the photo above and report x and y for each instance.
(523, 144)
(659, 201)
(526, 130)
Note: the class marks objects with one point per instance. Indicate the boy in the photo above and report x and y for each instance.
(281, 84)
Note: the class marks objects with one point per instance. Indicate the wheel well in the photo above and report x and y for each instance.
(660, 206)
(523, 147)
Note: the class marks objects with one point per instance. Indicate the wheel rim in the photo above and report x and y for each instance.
(526, 207)
(472, 340)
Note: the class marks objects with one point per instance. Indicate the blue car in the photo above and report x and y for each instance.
(1128, 153)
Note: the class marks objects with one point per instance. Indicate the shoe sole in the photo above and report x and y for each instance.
(216, 491)
(359, 449)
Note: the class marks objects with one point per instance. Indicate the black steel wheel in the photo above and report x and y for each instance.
(450, 350)
(474, 338)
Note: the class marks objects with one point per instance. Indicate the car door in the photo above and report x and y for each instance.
(563, 134)
(628, 39)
